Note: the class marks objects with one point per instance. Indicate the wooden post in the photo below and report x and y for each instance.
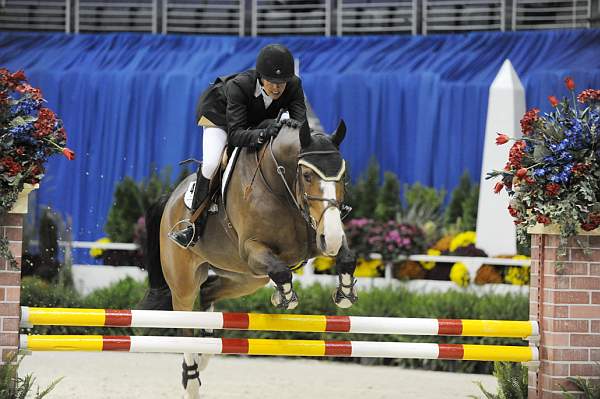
(565, 299)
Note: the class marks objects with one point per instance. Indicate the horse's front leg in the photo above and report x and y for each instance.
(261, 259)
(345, 294)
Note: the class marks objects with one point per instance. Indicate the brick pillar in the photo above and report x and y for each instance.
(570, 315)
(11, 228)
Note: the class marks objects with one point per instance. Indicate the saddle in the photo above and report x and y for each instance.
(217, 187)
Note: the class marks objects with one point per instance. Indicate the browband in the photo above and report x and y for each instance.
(318, 171)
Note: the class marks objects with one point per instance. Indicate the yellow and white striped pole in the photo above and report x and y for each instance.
(276, 322)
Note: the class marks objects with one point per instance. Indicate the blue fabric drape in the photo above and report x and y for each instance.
(417, 103)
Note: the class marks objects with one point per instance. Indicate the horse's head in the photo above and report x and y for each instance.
(320, 185)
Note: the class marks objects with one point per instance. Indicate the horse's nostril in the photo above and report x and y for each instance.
(322, 238)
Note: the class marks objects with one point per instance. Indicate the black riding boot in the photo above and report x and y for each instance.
(188, 236)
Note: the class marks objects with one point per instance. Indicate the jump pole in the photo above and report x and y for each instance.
(31, 316)
(274, 347)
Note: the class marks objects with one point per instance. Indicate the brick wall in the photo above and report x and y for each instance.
(567, 301)
(11, 227)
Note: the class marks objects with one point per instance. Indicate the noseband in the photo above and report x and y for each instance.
(304, 207)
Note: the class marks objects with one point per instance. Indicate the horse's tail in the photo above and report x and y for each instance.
(158, 296)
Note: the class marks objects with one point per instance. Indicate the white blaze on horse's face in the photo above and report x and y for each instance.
(331, 226)
(326, 218)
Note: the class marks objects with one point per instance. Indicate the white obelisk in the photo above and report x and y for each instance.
(506, 106)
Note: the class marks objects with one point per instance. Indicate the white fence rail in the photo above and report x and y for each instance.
(89, 277)
(296, 17)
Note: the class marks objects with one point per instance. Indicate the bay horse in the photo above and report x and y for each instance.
(281, 206)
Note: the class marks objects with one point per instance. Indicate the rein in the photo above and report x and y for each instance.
(303, 208)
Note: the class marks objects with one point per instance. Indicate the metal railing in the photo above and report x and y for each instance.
(363, 17)
(116, 16)
(296, 17)
(225, 17)
(463, 15)
(293, 17)
(53, 15)
(545, 14)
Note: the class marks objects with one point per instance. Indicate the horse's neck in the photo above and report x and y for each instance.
(286, 148)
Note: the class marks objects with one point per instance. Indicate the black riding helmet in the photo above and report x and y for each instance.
(275, 63)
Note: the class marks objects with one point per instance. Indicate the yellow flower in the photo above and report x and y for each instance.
(430, 264)
(463, 239)
(97, 252)
(520, 257)
(368, 268)
(460, 274)
(517, 275)
(323, 263)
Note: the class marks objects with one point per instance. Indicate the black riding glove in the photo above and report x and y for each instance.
(265, 134)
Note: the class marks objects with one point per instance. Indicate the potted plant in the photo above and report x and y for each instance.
(553, 171)
(29, 134)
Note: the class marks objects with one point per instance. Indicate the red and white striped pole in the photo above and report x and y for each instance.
(275, 347)
(276, 322)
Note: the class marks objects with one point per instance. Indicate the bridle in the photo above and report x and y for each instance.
(303, 206)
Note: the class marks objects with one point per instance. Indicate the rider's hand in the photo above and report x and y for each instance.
(272, 130)
(294, 124)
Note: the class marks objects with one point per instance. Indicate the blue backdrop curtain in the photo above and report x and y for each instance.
(417, 103)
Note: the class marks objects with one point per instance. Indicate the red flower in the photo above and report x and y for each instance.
(20, 150)
(68, 153)
(589, 95)
(552, 189)
(528, 120)
(515, 155)
(553, 101)
(513, 212)
(45, 123)
(543, 219)
(580, 168)
(570, 83)
(521, 173)
(530, 180)
(10, 166)
(26, 88)
(589, 226)
(594, 218)
(502, 139)
(498, 187)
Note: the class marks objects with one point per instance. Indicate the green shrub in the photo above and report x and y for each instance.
(512, 382)
(365, 192)
(461, 212)
(14, 387)
(388, 198)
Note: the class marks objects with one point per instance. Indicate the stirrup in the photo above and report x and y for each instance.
(176, 235)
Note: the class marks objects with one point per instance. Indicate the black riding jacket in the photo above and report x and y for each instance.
(230, 103)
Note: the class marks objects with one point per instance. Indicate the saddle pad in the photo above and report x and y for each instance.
(227, 174)
(189, 194)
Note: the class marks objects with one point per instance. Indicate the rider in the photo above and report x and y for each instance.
(231, 108)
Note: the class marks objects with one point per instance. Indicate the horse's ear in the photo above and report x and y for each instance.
(338, 136)
(304, 135)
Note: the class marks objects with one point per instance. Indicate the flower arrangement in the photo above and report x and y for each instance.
(390, 239)
(29, 134)
(553, 171)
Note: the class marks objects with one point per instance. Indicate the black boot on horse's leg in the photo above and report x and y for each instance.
(188, 236)
(345, 294)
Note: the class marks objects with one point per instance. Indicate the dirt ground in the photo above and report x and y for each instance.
(114, 375)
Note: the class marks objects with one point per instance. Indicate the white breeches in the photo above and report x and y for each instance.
(214, 140)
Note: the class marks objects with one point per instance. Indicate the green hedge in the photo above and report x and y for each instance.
(313, 300)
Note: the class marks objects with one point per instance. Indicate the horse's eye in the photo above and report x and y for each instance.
(307, 177)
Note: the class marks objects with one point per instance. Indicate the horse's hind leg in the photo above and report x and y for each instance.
(230, 285)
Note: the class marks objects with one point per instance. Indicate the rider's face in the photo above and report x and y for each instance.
(273, 90)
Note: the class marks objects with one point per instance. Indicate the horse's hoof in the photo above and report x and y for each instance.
(279, 300)
(343, 300)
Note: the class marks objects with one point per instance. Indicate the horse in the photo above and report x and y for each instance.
(282, 205)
